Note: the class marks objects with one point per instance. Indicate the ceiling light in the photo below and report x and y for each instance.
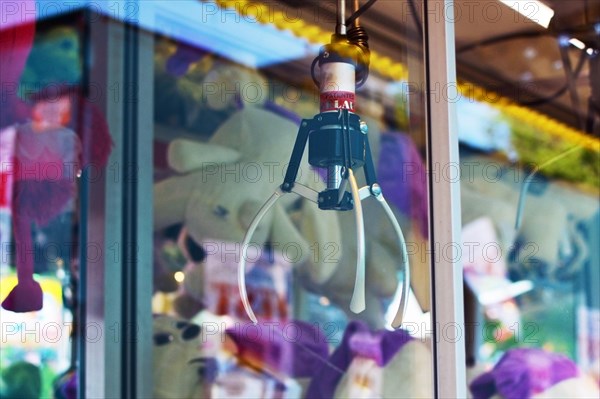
(577, 43)
(534, 10)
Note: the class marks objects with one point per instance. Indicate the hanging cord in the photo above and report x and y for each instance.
(532, 34)
(358, 36)
(562, 90)
(529, 179)
(571, 84)
(415, 16)
(360, 12)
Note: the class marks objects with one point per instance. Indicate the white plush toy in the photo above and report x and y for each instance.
(220, 185)
(182, 368)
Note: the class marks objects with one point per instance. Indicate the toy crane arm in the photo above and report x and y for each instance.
(337, 141)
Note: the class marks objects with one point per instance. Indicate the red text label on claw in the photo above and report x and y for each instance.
(334, 100)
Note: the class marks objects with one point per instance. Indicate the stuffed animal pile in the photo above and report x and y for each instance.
(220, 185)
(204, 358)
(248, 154)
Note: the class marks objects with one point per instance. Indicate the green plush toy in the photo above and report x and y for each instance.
(55, 59)
(22, 380)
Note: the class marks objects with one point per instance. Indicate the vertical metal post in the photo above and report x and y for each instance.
(340, 28)
(112, 39)
(118, 362)
(98, 356)
(136, 265)
(445, 222)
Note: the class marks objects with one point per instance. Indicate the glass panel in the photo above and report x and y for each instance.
(54, 146)
(531, 218)
(232, 83)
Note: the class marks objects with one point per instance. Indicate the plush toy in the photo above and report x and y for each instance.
(375, 364)
(48, 159)
(31, 151)
(55, 59)
(48, 152)
(184, 363)
(190, 299)
(202, 358)
(40, 145)
(22, 380)
(169, 258)
(210, 283)
(289, 353)
(533, 373)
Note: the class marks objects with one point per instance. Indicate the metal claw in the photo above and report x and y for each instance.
(358, 302)
(298, 189)
(400, 298)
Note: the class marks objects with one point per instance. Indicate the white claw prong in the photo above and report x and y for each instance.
(357, 303)
(400, 299)
(244, 252)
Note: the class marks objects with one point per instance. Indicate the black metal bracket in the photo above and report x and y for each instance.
(339, 138)
(296, 157)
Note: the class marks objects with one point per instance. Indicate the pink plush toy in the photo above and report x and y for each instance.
(48, 150)
(44, 152)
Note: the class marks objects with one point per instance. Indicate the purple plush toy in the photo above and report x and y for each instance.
(382, 364)
(293, 349)
(533, 373)
(403, 178)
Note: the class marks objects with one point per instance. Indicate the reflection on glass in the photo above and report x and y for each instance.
(532, 300)
(224, 132)
(50, 133)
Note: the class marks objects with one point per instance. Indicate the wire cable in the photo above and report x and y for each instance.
(360, 12)
(413, 10)
(502, 38)
(562, 90)
(529, 179)
(529, 34)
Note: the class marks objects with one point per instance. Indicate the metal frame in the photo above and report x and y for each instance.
(103, 214)
(120, 365)
(119, 284)
(445, 211)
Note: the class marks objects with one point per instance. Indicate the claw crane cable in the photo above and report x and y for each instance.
(337, 141)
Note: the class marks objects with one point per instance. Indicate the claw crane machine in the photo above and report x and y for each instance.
(203, 172)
